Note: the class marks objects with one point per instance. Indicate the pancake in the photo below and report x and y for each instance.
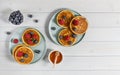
(31, 37)
(16, 47)
(66, 37)
(24, 55)
(78, 25)
(64, 17)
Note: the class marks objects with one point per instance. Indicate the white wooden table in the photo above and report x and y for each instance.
(97, 54)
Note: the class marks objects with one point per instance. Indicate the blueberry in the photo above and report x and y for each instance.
(61, 37)
(31, 33)
(8, 33)
(35, 41)
(37, 51)
(25, 55)
(75, 29)
(74, 35)
(53, 28)
(64, 17)
(70, 42)
(36, 21)
(22, 60)
(16, 17)
(30, 15)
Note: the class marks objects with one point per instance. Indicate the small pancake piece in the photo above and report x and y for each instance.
(24, 55)
(31, 37)
(66, 37)
(78, 25)
(64, 17)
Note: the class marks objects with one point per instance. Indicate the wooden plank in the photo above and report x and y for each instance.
(68, 64)
(60, 72)
(84, 49)
(92, 34)
(95, 20)
(44, 6)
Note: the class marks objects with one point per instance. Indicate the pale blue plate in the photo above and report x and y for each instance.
(54, 33)
(17, 33)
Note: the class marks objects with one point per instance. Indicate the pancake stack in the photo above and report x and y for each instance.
(72, 26)
(23, 53)
(31, 37)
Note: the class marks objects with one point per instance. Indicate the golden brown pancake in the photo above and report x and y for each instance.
(24, 55)
(31, 37)
(66, 37)
(16, 47)
(78, 25)
(64, 17)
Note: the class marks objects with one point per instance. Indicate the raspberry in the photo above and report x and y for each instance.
(75, 22)
(67, 37)
(30, 42)
(15, 41)
(20, 54)
(27, 36)
(34, 36)
(61, 22)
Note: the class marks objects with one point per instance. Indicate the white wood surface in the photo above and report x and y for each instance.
(97, 54)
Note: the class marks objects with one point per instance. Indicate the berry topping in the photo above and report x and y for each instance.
(75, 29)
(15, 41)
(37, 51)
(74, 35)
(31, 33)
(61, 37)
(75, 22)
(25, 55)
(27, 36)
(30, 42)
(67, 37)
(64, 17)
(35, 41)
(34, 36)
(61, 22)
(22, 60)
(70, 42)
(20, 54)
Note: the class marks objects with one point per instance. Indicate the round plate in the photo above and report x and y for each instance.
(54, 32)
(41, 46)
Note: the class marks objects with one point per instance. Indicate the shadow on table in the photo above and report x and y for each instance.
(8, 52)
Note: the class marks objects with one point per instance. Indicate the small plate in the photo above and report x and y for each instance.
(54, 32)
(41, 46)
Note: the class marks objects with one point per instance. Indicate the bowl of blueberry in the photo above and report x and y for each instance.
(16, 17)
